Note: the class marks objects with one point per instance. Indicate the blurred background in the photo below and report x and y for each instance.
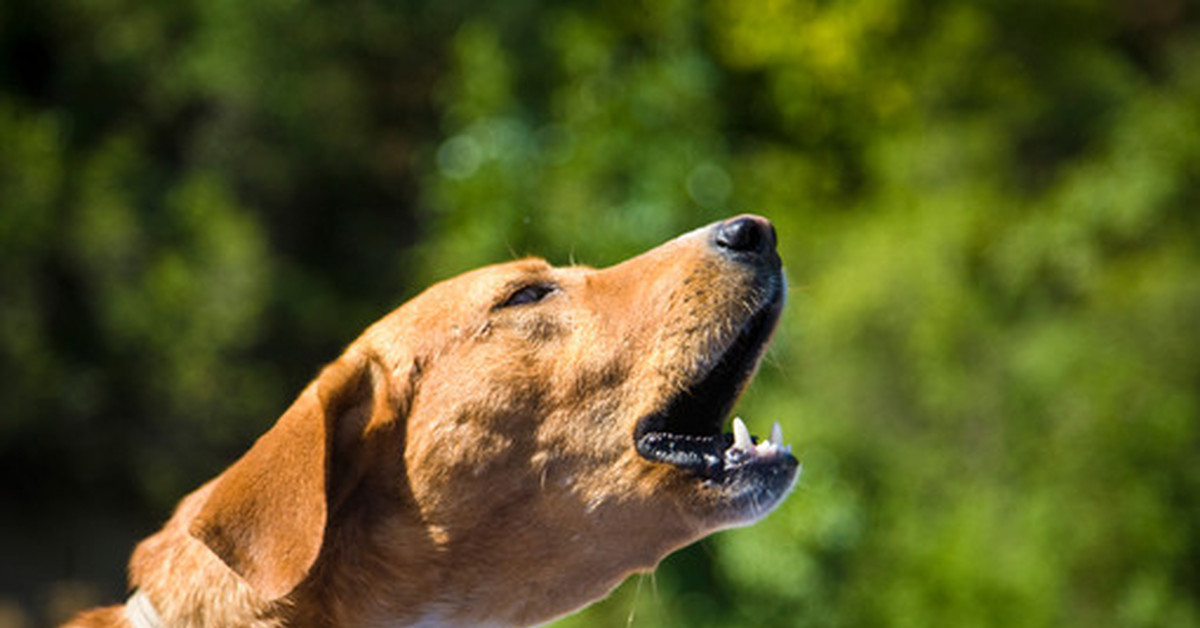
(989, 365)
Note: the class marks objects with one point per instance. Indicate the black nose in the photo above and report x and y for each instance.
(746, 234)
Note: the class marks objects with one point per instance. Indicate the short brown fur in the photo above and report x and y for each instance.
(462, 463)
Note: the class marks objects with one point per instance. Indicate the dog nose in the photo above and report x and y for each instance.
(746, 234)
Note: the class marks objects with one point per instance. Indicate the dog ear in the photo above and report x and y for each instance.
(267, 514)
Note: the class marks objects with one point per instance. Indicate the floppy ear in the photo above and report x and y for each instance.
(267, 514)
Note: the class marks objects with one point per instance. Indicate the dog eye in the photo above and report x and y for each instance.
(528, 294)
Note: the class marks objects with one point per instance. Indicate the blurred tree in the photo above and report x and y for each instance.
(990, 364)
(199, 203)
(989, 209)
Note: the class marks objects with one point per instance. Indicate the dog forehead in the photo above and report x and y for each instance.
(456, 300)
(460, 306)
(483, 285)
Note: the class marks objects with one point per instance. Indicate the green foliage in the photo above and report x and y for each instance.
(990, 363)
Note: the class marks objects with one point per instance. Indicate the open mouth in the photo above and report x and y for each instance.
(687, 432)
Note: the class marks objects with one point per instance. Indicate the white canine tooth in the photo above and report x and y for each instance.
(741, 435)
(777, 434)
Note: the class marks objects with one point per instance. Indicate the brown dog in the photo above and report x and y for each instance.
(502, 449)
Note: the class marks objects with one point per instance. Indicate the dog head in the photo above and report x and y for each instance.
(511, 443)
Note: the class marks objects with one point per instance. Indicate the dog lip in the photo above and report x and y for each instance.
(702, 455)
(718, 456)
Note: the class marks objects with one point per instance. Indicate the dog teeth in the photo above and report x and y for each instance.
(744, 445)
(741, 435)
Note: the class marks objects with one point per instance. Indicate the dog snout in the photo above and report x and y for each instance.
(746, 236)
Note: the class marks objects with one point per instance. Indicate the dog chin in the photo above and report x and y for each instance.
(755, 477)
